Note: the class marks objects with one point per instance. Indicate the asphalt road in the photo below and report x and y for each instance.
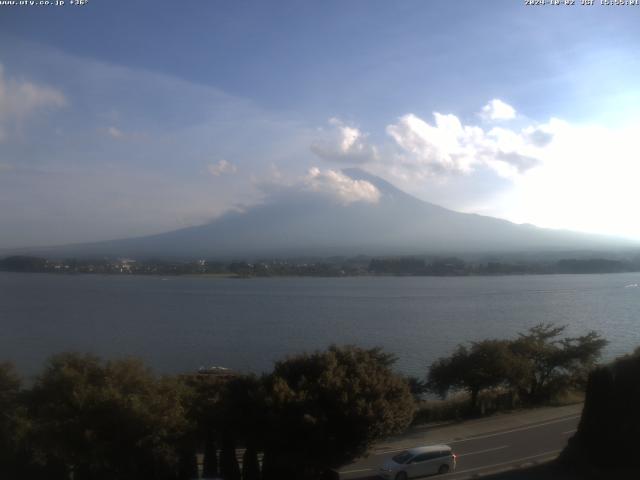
(486, 452)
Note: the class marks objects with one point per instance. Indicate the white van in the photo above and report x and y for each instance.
(419, 462)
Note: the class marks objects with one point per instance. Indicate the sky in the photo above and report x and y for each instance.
(125, 118)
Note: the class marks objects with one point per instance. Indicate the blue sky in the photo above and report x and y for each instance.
(125, 118)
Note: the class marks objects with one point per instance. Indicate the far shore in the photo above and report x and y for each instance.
(333, 267)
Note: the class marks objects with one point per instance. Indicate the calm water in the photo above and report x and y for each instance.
(180, 323)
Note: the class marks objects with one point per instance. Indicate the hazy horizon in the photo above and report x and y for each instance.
(121, 120)
(343, 213)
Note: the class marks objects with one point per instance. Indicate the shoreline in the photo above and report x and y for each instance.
(364, 275)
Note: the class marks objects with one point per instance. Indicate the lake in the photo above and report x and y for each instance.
(178, 324)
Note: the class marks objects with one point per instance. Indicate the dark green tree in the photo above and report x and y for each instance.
(417, 387)
(107, 420)
(203, 410)
(187, 463)
(210, 462)
(250, 464)
(12, 423)
(229, 411)
(551, 363)
(243, 408)
(328, 407)
(229, 467)
(605, 444)
(485, 364)
(538, 364)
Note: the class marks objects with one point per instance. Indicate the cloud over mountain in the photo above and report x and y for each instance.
(448, 146)
(337, 184)
(344, 143)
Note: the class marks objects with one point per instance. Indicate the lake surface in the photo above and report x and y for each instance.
(178, 324)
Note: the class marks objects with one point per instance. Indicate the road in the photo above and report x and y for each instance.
(484, 446)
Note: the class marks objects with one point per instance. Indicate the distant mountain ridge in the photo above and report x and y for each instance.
(293, 223)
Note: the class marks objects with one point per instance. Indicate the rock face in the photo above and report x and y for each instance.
(609, 432)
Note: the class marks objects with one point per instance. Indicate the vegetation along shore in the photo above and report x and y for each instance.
(329, 267)
(116, 419)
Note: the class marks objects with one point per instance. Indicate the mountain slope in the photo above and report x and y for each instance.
(297, 223)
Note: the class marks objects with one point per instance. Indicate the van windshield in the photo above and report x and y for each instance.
(402, 457)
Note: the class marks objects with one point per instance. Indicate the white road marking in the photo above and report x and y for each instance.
(569, 432)
(459, 455)
(356, 471)
(510, 462)
(520, 429)
(482, 451)
(392, 451)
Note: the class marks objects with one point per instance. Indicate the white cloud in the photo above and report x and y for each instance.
(540, 136)
(339, 185)
(437, 148)
(119, 134)
(586, 180)
(115, 132)
(222, 167)
(448, 146)
(498, 110)
(345, 144)
(175, 136)
(20, 99)
(555, 174)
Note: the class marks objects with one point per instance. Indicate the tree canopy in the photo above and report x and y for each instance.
(106, 420)
(538, 364)
(11, 420)
(551, 363)
(485, 364)
(339, 401)
(116, 420)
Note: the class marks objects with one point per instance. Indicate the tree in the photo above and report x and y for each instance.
(11, 421)
(250, 464)
(608, 432)
(486, 364)
(553, 363)
(229, 411)
(187, 463)
(204, 413)
(229, 468)
(417, 387)
(245, 415)
(23, 263)
(110, 420)
(328, 407)
(210, 464)
(538, 364)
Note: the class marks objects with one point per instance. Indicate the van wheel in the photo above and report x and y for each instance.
(401, 476)
(443, 469)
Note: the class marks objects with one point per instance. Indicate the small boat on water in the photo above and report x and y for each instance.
(216, 370)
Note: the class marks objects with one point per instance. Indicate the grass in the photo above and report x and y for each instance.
(456, 406)
(568, 398)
